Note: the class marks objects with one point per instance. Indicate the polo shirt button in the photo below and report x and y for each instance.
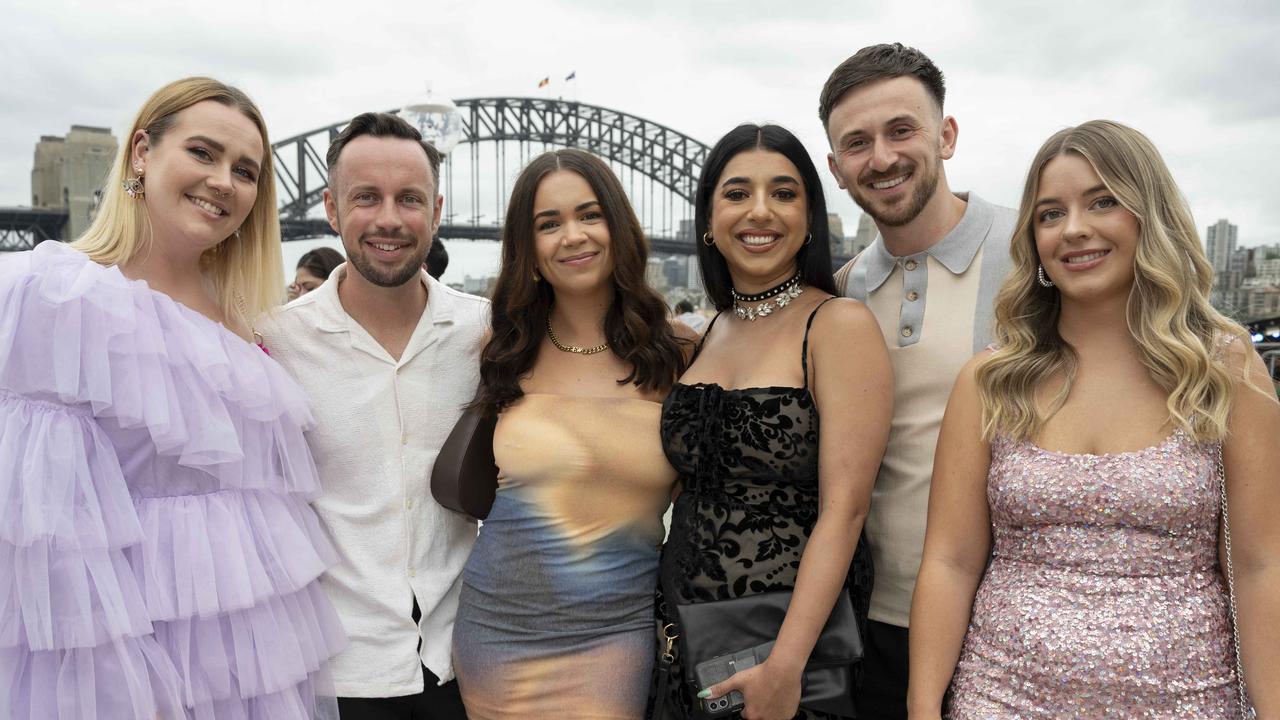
(911, 264)
(913, 296)
(404, 439)
(412, 572)
(907, 332)
(409, 503)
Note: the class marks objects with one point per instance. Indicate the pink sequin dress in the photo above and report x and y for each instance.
(1103, 598)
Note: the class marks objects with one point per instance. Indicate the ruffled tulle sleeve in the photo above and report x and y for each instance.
(158, 557)
(76, 639)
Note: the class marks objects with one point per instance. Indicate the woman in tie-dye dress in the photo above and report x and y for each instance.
(556, 614)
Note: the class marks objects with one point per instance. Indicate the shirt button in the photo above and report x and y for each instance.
(412, 572)
(907, 332)
(911, 264)
(913, 296)
(409, 503)
(404, 439)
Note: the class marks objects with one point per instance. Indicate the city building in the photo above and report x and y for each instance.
(68, 173)
(655, 274)
(866, 234)
(1220, 246)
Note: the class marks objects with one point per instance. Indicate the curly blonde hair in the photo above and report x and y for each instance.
(246, 271)
(1179, 334)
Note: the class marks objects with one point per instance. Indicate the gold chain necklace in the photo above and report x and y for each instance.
(574, 348)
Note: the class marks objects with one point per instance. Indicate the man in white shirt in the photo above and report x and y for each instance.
(389, 357)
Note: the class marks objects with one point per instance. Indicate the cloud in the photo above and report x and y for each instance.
(1196, 77)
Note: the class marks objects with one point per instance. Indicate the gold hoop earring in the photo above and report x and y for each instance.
(707, 239)
(808, 238)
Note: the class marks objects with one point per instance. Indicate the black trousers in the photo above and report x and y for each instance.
(883, 695)
(435, 702)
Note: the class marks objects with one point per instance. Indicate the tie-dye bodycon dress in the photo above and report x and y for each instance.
(556, 613)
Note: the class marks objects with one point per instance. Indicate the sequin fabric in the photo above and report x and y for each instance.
(1104, 597)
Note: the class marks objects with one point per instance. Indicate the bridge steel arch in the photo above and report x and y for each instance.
(670, 158)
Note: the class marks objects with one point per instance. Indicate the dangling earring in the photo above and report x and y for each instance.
(1040, 277)
(133, 186)
(808, 238)
(237, 233)
(707, 239)
(536, 277)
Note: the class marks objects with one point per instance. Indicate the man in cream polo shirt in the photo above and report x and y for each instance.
(389, 357)
(930, 277)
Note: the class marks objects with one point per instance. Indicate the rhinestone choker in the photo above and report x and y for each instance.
(765, 302)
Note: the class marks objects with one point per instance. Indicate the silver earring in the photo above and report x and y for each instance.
(237, 233)
(1040, 277)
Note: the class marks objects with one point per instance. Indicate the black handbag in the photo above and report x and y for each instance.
(710, 629)
(465, 478)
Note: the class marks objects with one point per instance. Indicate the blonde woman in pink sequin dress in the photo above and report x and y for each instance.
(1076, 473)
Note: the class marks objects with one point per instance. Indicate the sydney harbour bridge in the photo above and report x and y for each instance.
(658, 167)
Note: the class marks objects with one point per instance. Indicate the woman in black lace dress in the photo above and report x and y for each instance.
(759, 482)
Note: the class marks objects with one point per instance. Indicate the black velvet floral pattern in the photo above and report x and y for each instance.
(748, 463)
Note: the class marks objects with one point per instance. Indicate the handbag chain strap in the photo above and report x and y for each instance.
(1241, 695)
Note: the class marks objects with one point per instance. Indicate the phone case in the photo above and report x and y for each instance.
(721, 668)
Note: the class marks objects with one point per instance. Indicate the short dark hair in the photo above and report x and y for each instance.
(880, 62)
(321, 261)
(382, 125)
(684, 306)
(437, 258)
(814, 258)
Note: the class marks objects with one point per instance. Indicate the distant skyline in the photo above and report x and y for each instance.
(1197, 78)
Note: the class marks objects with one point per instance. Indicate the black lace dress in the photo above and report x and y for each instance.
(748, 462)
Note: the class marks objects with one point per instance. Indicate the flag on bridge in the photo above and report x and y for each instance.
(571, 76)
(544, 82)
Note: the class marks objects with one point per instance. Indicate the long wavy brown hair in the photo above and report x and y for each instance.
(636, 325)
(1179, 334)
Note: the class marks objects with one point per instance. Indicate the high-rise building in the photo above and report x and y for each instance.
(866, 233)
(68, 173)
(1220, 246)
(1220, 243)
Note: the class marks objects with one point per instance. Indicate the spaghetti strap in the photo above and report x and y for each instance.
(697, 350)
(804, 347)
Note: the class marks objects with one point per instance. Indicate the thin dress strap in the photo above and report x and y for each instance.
(697, 350)
(804, 347)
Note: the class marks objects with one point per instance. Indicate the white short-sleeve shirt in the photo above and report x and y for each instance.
(380, 422)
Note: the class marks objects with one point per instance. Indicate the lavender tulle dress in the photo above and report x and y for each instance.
(1104, 597)
(158, 558)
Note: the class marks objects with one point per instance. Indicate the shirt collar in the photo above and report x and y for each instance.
(955, 251)
(332, 317)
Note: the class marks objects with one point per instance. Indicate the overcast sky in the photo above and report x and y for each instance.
(1201, 79)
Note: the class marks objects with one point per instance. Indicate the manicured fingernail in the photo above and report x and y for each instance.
(704, 694)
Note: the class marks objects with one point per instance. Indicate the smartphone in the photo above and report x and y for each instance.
(718, 669)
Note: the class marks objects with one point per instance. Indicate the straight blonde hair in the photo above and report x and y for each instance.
(1179, 334)
(246, 271)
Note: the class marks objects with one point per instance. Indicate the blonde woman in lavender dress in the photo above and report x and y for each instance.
(1080, 457)
(159, 559)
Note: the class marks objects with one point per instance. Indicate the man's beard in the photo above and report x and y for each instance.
(900, 214)
(396, 276)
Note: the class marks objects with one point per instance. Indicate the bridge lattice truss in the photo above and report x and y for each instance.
(668, 160)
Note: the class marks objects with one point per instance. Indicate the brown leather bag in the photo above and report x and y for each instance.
(465, 477)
